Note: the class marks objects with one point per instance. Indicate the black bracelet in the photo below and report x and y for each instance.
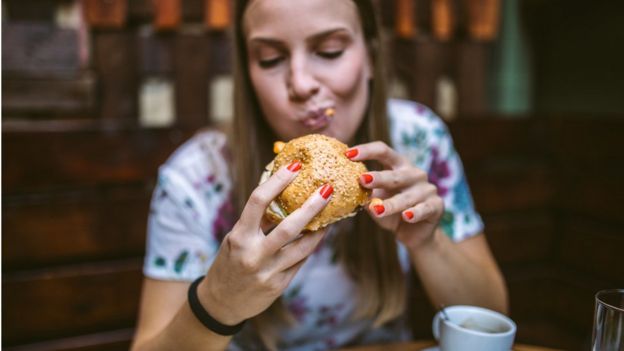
(205, 318)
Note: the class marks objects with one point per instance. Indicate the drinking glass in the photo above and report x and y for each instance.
(608, 334)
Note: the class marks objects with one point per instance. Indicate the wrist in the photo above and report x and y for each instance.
(428, 243)
(215, 306)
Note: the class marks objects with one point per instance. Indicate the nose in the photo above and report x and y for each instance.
(301, 82)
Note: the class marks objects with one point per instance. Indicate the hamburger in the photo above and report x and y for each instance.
(323, 161)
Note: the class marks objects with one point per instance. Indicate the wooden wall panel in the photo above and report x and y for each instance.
(508, 189)
(40, 160)
(20, 10)
(524, 237)
(35, 97)
(116, 64)
(143, 10)
(595, 142)
(100, 223)
(115, 340)
(70, 301)
(495, 138)
(595, 193)
(593, 247)
(39, 48)
(191, 80)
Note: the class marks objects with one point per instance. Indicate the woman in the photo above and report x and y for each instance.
(340, 286)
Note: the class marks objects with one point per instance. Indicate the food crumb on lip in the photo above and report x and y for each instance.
(329, 112)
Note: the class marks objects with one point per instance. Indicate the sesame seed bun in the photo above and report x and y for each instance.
(323, 161)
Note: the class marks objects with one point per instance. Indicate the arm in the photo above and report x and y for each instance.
(250, 271)
(167, 323)
(471, 275)
(452, 273)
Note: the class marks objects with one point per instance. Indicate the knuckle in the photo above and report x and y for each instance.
(257, 198)
(286, 230)
(378, 144)
(249, 263)
(432, 189)
(233, 242)
(396, 179)
(283, 177)
(267, 282)
(274, 286)
(312, 206)
(420, 174)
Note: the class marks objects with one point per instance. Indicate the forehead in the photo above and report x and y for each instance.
(281, 18)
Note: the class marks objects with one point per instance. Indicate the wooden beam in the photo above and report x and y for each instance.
(103, 222)
(105, 13)
(99, 296)
(50, 97)
(39, 160)
(116, 64)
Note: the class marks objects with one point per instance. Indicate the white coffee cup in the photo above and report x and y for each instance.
(473, 328)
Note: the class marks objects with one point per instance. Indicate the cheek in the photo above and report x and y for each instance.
(350, 77)
(267, 89)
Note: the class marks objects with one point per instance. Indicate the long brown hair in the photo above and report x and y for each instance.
(368, 253)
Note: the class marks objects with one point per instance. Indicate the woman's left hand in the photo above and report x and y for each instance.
(410, 206)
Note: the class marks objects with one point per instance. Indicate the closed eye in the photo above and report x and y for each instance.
(268, 63)
(330, 54)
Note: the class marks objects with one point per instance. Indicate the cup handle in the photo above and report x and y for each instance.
(435, 326)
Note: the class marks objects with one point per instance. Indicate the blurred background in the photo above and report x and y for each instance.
(97, 93)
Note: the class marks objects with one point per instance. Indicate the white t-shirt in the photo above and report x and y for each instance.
(191, 211)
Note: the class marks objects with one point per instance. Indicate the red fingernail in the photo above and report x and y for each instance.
(409, 214)
(367, 178)
(351, 153)
(326, 191)
(379, 209)
(294, 166)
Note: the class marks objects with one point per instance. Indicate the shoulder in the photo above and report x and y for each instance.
(202, 148)
(407, 113)
(414, 128)
(197, 173)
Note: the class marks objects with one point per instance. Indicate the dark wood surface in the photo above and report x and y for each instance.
(70, 300)
(115, 63)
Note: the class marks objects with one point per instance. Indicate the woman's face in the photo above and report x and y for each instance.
(304, 58)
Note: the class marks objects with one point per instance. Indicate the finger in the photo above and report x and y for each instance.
(393, 179)
(292, 225)
(376, 150)
(403, 200)
(425, 210)
(262, 196)
(299, 249)
(290, 273)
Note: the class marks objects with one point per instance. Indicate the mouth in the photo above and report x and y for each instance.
(318, 119)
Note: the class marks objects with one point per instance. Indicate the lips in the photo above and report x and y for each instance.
(316, 119)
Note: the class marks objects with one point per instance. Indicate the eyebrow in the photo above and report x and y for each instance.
(312, 39)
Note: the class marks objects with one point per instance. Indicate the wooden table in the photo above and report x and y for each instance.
(421, 345)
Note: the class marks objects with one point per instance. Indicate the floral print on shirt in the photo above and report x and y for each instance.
(191, 212)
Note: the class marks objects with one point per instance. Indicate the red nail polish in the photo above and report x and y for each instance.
(409, 214)
(351, 153)
(294, 166)
(326, 191)
(367, 178)
(379, 209)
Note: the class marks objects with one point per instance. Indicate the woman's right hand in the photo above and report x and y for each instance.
(252, 269)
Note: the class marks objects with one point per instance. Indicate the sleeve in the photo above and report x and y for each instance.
(460, 219)
(186, 223)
